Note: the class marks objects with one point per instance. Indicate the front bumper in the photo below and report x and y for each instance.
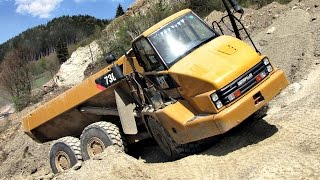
(203, 126)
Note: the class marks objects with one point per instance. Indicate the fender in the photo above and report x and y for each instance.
(126, 108)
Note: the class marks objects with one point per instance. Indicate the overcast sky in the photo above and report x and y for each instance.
(18, 15)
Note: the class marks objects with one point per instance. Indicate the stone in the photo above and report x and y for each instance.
(33, 170)
(271, 30)
(46, 177)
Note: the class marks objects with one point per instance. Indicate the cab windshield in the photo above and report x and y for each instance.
(181, 37)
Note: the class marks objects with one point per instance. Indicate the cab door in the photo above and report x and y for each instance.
(154, 67)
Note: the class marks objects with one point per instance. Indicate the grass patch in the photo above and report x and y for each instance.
(41, 79)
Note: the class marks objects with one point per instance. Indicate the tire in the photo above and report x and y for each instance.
(64, 153)
(97, 137)
(168, 145)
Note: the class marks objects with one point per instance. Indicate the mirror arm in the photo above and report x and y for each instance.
(233, 22)
(255, 47)
(129, 59)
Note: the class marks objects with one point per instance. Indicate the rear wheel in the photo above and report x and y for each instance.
(97, 137)
(168, 145)
(64, 154)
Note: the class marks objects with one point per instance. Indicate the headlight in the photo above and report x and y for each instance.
(266, 61)
(263, 74)
(216, 101)
(218, 104)
(214, 97)
(231, 97)
(269, 68)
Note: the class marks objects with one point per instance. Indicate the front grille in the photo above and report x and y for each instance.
(245, 86)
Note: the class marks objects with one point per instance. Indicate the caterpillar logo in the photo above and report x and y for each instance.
(245, 79)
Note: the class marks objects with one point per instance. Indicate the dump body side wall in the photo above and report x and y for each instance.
(72, 122)
(60, 116)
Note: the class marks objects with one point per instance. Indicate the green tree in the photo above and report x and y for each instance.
(62, 52)
(15, 76)
(120, 11)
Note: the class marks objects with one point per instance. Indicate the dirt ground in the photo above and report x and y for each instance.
(285, 144)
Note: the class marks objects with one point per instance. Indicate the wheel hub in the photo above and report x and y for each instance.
(95, 146)
(62, 161)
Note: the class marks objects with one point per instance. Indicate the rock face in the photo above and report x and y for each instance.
(72, 71)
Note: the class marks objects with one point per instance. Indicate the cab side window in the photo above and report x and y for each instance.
(148, 56)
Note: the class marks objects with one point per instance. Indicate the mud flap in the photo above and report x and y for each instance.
(126, 112)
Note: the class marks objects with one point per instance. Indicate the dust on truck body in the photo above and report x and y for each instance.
(180, 83)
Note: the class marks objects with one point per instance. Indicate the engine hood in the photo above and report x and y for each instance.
(214, 65)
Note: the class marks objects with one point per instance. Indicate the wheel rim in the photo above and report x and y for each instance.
(62, 161)
(95, 146)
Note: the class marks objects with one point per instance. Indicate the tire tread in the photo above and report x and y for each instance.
(180, 150)
(111, 130)
(74, 144)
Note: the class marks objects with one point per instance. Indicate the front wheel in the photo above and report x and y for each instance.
(168, 145)
(64, 154)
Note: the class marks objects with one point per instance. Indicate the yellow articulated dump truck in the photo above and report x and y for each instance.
(181, 82)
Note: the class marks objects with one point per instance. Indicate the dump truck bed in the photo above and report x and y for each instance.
(61, 116)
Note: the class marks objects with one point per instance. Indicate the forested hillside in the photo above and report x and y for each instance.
(42, 40)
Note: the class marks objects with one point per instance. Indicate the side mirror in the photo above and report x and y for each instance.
(110, 58)
(236, 6)
(117, 72)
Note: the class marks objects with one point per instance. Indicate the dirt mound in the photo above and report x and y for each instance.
(283, 145)
(20, 156)
(292, 44)
(123, 166)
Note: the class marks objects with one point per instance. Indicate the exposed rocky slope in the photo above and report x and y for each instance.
(283, 145)
(72, 71)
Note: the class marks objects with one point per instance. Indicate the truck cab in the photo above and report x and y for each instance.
(216, 81)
